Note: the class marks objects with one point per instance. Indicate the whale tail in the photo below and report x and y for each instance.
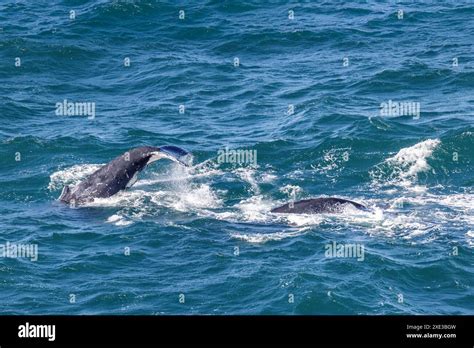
(176, 154)
(122, 172)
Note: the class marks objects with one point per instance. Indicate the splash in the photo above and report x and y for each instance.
(119, 220)
(291, 190)
(412, 160)
(403, 168)
(333, 162)
(173, 190)
(176, 189)
(248, 174)
(253, 209)
(71, 176)
(189, 190)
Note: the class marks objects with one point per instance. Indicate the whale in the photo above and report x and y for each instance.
(121, 173)
(320, 205)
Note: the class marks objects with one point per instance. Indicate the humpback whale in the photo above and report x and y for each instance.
(317, 206)
(120, 173)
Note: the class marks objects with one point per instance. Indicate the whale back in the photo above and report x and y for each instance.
(317, 206)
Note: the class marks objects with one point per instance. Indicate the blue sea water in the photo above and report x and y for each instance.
(303, 91)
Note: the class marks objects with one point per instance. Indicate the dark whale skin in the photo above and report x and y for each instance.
(109, 179)
(317, 206)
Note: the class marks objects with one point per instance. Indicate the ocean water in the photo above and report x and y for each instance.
(303, 92)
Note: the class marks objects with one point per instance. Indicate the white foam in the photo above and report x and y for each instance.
(403, 168)
(254, 209)
(178, 173)
(119, 220)
(190, 190)
(333, 159)
(291, 190)
(268, 177)
(194, 197)
(129, 198)
(419, 224)
(248, 175)
(174, 190)
(266, 237)
(470, 238)
(302, 219)
(462, 201)
(413, 159)
(71, 175)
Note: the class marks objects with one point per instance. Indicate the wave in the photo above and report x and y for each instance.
(258, 238)
(403, 168)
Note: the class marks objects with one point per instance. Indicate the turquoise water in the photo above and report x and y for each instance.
(206, 232)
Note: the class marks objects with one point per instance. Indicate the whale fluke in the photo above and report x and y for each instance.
(121, 173)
